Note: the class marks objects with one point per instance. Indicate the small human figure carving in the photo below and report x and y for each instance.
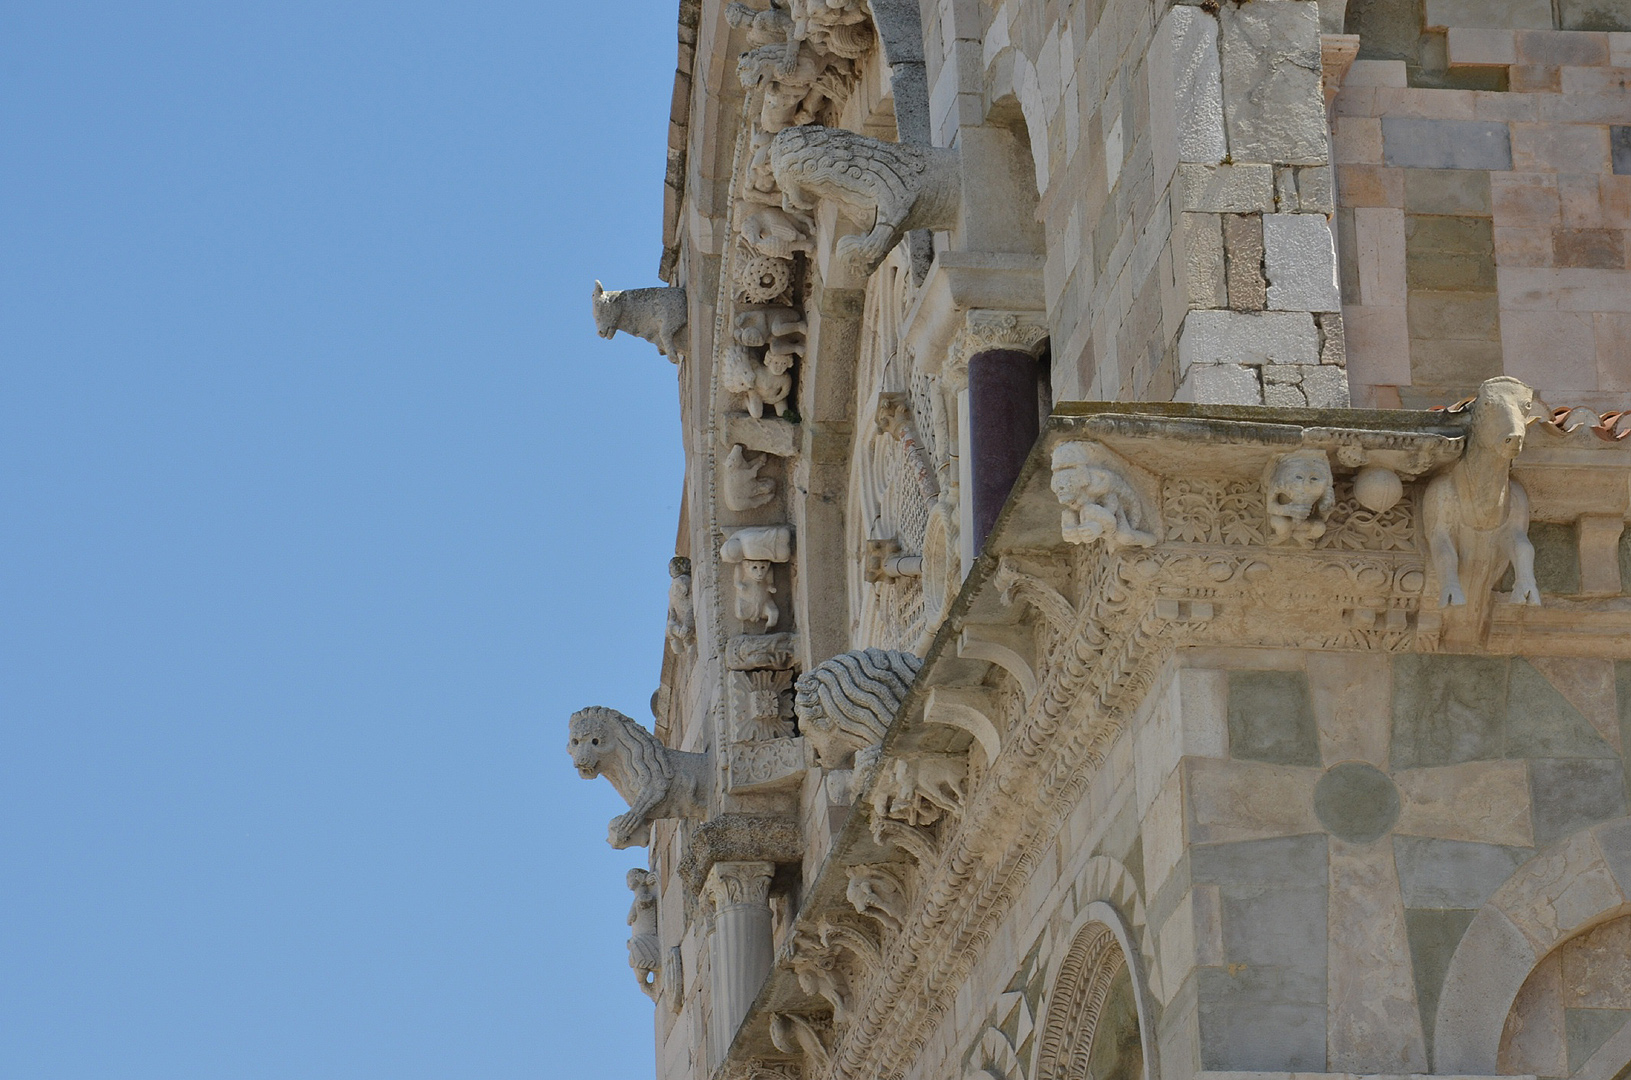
(655, 781)
(895, 186)
(754, 551)
(1099, 504)
(1476, 515)
(682, 620)
(1299, 494)
(657, 315)
(645, 947)
(781, 330)
(760, 380)
(744, 488)
(800, 92)
(772, 26)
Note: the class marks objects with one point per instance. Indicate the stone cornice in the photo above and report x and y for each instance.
(1104, 621)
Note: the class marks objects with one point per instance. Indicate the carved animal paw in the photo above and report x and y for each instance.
(1452, 596)
(1526, 593)
(626, 833)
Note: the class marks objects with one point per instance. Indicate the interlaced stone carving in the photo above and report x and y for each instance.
(655, 781)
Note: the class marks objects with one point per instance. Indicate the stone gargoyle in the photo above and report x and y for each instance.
(1476, 515)
(656, 781)
(658, 315)
(893, 186)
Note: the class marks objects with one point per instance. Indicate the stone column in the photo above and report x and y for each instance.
(740, 950)
(1004, 420)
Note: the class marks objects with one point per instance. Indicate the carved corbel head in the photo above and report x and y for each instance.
(1100, 503)
(1298, 493)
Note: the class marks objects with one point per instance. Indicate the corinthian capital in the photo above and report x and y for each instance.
(731, 884)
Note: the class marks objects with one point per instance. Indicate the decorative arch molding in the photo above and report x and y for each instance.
(1104, 880)
(1571, 887)
(1102, 945)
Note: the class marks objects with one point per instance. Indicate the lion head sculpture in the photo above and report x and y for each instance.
(654, 780)
(846, 703)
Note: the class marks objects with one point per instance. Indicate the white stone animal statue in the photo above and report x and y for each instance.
(846, 703)
(1475, 514)
(1298, 495)
(645, 947)
(761, 382)
(1099, 503)
(889, 188)
(756, 593)
(658, 315)
(655, 781)
(779, 329)
(877, 892)
(744, 488)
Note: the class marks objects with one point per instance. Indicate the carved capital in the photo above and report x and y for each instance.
(739, 838)
(983, 329)
(731, 884)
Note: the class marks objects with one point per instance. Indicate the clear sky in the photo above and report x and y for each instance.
(321, 507)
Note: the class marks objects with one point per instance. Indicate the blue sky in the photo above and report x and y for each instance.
(321, 506)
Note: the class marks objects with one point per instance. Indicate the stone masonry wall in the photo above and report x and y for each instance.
(1182, 162)
(1484, 231)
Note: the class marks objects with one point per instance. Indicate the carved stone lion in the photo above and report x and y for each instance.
(655, 781)
(891, 188)
(846, 703)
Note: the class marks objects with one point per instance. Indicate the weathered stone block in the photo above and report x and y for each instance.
(1541, 722)
(1619, 136)
(1243, 261)
(1197, 85)
(1220, 384)
(1433, 937)
(1288, 859)
(1571, 795)
(1455, 366)
(1272, 101)
(1270, 718)
(1314, 193)
(1254, 1019)
(770, 435)
(1493, 14)
(1456, 316)
(1232, 337)
(1300, 259)
(1598, 249)
(1447, 191)
(1556, 49)
(1452, 873)
(1227, 189)
(1447, 709)
(1610, 15)
(1467, 45)
(1203, 261)
(1333, 339)
(1413, 143)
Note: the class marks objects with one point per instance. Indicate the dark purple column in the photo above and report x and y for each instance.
(1003, 425)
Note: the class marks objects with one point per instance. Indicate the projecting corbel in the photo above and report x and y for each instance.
(1009, 647)
(969, 709)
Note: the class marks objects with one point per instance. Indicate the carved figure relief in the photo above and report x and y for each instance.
(761, 381)
(753, 551)
(1298, 494)
(891, 188)
(809, 1036)
(743, 488)
(645, 948)
(804, 91)
(655, 781)
(1476, 516)
(1099, 502)
(772, 26)
(781, 330)
(839, 27)
(773, 231)
(846, 703)
(920, 789)
(657, 315)
(878, 891)
(747, 652)
(682, 622)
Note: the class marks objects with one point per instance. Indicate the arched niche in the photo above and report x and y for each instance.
(1098, 1022)
(1574, 886)
(1572, 1018)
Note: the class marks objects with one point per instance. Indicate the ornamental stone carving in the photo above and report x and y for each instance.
(657, 315)
(682, 622)
(846, 703)
(754, 551)
(1476, 516)
(892, 186)
(878, 891)
(743, 488)
(774, 232)
(780, 330)
(1299, 494)
(805, 91)
(760, 379)
(921, 788)
(655, 781)
(645, 948)
(1100, 503)
(747, 652)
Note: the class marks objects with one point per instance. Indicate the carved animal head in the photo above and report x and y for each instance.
(847, 703)
(598, 735)
(1298, 484)
(607, 311)
(1079, 474)
(1500, 415)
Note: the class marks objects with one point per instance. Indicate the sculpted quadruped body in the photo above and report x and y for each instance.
(657, 315)
(655, 781)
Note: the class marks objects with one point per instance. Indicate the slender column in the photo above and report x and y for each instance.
(738, 894)
(1004, 421)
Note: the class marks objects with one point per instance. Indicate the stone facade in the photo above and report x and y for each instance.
(1062, 679)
